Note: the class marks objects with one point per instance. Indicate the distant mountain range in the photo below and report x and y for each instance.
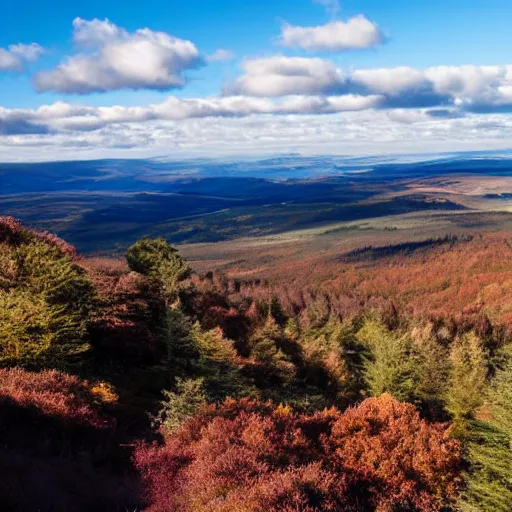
(159, 175)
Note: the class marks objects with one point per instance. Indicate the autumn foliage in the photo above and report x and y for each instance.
(140, 385)
(254, 456)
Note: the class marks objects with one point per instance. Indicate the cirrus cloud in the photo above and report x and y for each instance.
(221, 55)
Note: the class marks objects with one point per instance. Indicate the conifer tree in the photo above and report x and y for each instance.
(489, 447)
(389, 368)
(45, 301)
(467, 378)
(157, 259)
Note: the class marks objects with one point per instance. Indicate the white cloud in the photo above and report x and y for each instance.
(280, 76)
(468, 87)
(389, 81)
(336, 36)
(64, 117)
(16, 56)
(354, 133)
(114, 59)
(221, 55)
(477, 88)
(96, 33)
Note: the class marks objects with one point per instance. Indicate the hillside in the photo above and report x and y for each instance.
(377, 378)
(102, 207)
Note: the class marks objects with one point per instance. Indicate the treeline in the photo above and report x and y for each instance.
(140, 385)
(370, 252)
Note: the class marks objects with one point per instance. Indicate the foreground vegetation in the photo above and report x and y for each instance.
(141, 385)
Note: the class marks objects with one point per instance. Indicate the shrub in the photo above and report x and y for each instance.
(50, 411)
(56, 437)
(253, 456)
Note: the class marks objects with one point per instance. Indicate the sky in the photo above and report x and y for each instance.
(216, 78)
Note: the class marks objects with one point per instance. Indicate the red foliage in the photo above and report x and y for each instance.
(124, 324)
(13, 232)
(65, 248)
(52, 394)
(56, 439)
(456, 280)
(249, 456)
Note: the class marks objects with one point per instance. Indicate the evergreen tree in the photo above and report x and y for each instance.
(489, 448)
(389, 368)
(157, 259)
(431, 369)
(45, 302)
(180, 405)
(467, 378)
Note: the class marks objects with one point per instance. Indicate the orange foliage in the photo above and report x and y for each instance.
(52, 394)
(463, 280)
(249, 456)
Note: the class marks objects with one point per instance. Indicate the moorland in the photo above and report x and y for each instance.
(320, 335)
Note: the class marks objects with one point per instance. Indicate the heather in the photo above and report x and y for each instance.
(143, 385)
(249, 455)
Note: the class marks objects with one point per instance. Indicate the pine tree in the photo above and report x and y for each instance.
(467, 378)
(389, 368)
(158, 260)
(180, 405)
(489, 447)
(45, 302)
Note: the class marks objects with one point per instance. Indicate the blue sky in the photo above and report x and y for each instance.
(234, 77)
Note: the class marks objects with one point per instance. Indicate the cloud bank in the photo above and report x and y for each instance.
(303, 103)
(471, 88)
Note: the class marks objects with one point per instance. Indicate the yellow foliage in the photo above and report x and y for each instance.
(104, 391)
(284, 410)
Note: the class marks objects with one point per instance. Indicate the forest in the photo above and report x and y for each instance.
(378, 381)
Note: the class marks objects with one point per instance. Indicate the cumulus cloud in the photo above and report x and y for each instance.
(15, 57)
(470, 88)
(112, 58)
(392, 82)
(221, 55)
(336, 36)
(280, 76)
(65, 117)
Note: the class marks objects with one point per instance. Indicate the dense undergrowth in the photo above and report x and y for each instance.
(139, 385)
